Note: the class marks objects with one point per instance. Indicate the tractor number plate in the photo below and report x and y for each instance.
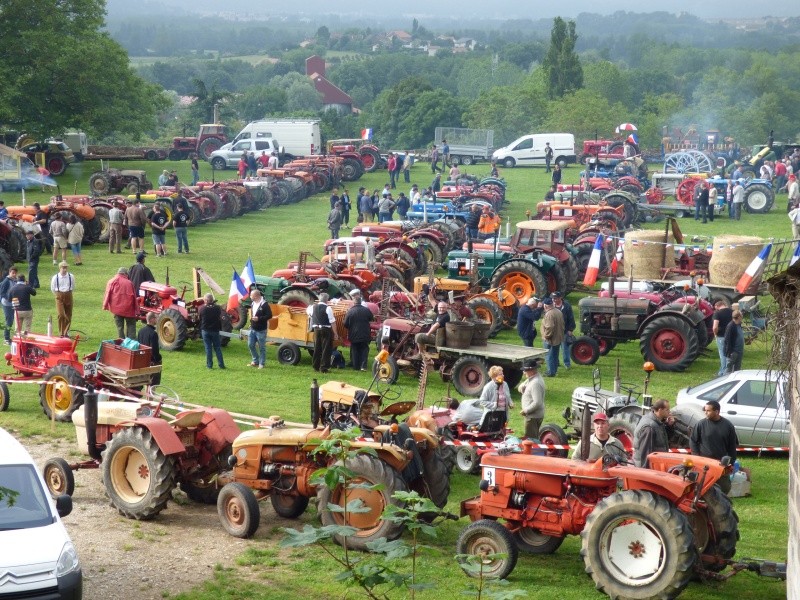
(488, 475)
(181, 303)
(386, 331)
(90, 369)
(452, 264)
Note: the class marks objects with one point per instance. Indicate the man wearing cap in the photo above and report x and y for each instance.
(357, 321)
(62, 284)
(552, 335)
(569, 325)
(527, 316)
(33, 250)
(429, 338)
(532, 404)
(135, 219)
(139, 273)
(20, 294)
(120, 301)
(601, 441)
(323, 325)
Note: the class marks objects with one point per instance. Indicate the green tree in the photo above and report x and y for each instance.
(585, 114)
(323, 36)
(561, 63)
(423, 113)
(259, 101)
(608, 80)
(475, 76)
(202, 109)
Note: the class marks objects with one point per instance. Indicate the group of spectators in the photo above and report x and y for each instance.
(249, 163)
(558, 324)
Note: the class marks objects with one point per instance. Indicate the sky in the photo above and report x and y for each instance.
(531, 9)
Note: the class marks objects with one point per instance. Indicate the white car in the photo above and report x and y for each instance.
(37, 558)
(756, 402)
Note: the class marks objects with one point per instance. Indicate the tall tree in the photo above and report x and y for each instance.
(561, 63)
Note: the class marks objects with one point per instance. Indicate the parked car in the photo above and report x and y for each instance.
(756, 402)
(228, 156)
(37, 558)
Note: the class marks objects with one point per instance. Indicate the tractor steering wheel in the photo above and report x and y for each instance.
(612, 459)
(163, 394)
(74, 334)
(387, 391)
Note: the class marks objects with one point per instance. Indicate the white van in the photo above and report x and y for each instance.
(529, 150)
(299, 137)
(37, 558)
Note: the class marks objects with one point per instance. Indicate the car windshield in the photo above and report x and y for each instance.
(699, 389)
(30, 507)
(717, 392)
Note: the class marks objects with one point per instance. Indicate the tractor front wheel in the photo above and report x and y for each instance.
(288, 506)
(388, 371)
(5, 397)
(470, 374)
(494, 546)
(585, 350)
(238, 510)
(467, 460)
(60, 394)
(172, 330)
(58, 477)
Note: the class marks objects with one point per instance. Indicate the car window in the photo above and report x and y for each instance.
(244, 145)
(263, 145)
(716, 392)
(760, 394)
(524, 144)
(30, 507)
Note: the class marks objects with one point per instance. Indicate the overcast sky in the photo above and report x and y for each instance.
(533, 9)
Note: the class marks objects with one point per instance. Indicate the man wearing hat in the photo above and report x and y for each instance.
(601, 441)
(527, 316)
(569, 325)
(552, 335)
(120, 301)
(532, 390)
(62, 284)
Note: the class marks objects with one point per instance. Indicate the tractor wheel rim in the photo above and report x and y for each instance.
(366, 522)
(168, 331)
(757, 200)
(130, 474)
(485, 546)
(519, 285)
(384, 371)
(633, 551)
(60, 396)
(465, 458)
(234, 511)
(471, 376)
(55, 481)
(582, 351)
(667, 345)
(484, 314)
(532, 537)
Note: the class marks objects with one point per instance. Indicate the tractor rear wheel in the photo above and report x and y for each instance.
(138, 477)
(288, 506)
(227, 327)
(487, 310)
(758, 198)
(352, 169)
(720, 526)
(369, 525)
(570, 267)
(208, 146)
(606, 345)
(217, 208)
(584, 350)
(101, 214)
(530, 540)
(370, 159)
(637, 544)
(467, 460)
(172, 330)
(436, 476)
(56, 165)
(622, 426)
(100, 184)
(669, 342)
(288, 354)
(59, 394)
(5, 262)
(557, 279)
(490, 540)
(554, 435)
(470, 374)
(238, 510)
(521, 279)
(299, 298)
(58, 477)
(16, 244)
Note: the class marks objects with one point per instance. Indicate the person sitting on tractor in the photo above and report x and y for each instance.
(601, 441)
(495, 396)
(429, 338)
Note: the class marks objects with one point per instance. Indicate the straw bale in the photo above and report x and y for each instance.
(643, 260)
(728, 264)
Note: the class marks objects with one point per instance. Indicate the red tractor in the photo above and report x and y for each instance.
(211, 137)
(646, 533)
(366, 153)
(55, 361)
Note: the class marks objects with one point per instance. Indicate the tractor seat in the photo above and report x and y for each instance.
(492, 421)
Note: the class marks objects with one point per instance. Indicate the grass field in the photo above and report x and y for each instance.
(274, 237)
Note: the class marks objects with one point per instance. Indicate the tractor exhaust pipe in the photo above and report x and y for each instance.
(50, 326)
(90, 415)
(314, 397)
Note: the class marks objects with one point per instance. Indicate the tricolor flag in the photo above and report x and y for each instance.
(632, 139)
(366, 134)
(754, 270)
(238, 291)
(594, 262)
(796, 255)
(248, 276)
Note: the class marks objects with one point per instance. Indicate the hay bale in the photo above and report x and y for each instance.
(728, 264)
(644, 260)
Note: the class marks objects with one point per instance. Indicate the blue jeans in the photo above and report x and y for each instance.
(33, 273)
(211, 340)
(392, 175)
(384, 216)
(8, 312)
(551, 358)
(723, 360)
(257, 343)
(565, 352)
(183, 241)
(472, 233)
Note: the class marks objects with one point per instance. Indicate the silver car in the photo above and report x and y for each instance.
(756, 402)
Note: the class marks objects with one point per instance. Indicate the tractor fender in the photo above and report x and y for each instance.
(669, 486)
(412, 250)
(692, 312)
(543, 262)
(223, 422)
(427, 235)
(166, 438)
(663, 461)
(692, 317)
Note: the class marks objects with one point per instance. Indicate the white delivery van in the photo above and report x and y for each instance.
(37, 558)
(529, 150)
(299, 137)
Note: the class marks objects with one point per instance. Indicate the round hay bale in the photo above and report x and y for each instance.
(644, 258)
(731, 256)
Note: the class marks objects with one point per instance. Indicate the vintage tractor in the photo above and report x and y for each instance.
(434, 242)
(55, 361)
(211, 137)
(645, 533)
(367, 153)
(144, 453)
(278, 462)
(114, 181)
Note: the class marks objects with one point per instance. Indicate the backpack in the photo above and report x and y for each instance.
(337, 359)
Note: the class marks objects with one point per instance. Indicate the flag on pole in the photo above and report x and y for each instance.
(366, 134)
(632, 139)
(237, 292)
(796, 255)
(594, 262)
(248, 276)
(755, 269)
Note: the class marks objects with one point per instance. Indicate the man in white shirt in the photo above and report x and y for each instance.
(738, 200)
(273, 161)
(115, 218)
(62, 284)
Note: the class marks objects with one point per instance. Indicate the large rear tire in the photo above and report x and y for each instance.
(669, 342)
(489, 538)
(553, 434)
(287, 506)
(436, 477)
(487, 310)
(758, 198)
(622, 426)
(101, 214)
(722, 524)
(298, 298)
(172, 330)
(530, 540)
(100, 184)
(521, 279)
(60, 393)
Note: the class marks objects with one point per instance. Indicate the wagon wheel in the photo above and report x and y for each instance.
(703, 162)
(685, 191)
(681, 162)
(654, 195)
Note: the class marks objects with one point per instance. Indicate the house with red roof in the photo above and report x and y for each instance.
(332, 96)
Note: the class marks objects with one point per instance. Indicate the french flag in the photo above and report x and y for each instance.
(796, 255)
(237, 292)
(248, 276)
(594, 262)
(366, 134)
(754, 270)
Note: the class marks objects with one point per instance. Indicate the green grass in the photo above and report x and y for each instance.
(274, 237)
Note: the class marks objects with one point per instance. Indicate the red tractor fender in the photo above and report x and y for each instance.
(432, 235)
(397, 243)
(217, 431)
(687, 312)
(166, 438)
(664, 484)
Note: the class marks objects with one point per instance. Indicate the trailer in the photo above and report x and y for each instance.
(125, 153)
(467, 146)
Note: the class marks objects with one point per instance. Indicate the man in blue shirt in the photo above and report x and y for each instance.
(569, 325)
(526, 320)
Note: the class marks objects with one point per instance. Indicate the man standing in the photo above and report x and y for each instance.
(322, 323)
(195, 171)
(135, 220)
(115, 218)
(58, 230)
(601, 441)
(429, 338)
(532, 404)
(365, 205)
(738, 200)
(391, 166)
(159, 223)
(652, 433)
(273, 161)
(548, 156)
(334, 197)
(715, 437)
(335, 220)
(180, 221)
(445, 153)
(260, 314)
(20, 294)
(472, 221)
(407, 167)
(8, 309)
(120, 301)
(33, 250)
(556, 176)
(357, 321)
(62, 285)
(402, 206)
(526, 321)
(722, 317)
(569, 325)
(385, 208)
(435, 159)
(552, 335)
(436, 185)
(139, 273)
(708, 215)
(149, 337)
(793, 192)
(210, 326)
(734, 343)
